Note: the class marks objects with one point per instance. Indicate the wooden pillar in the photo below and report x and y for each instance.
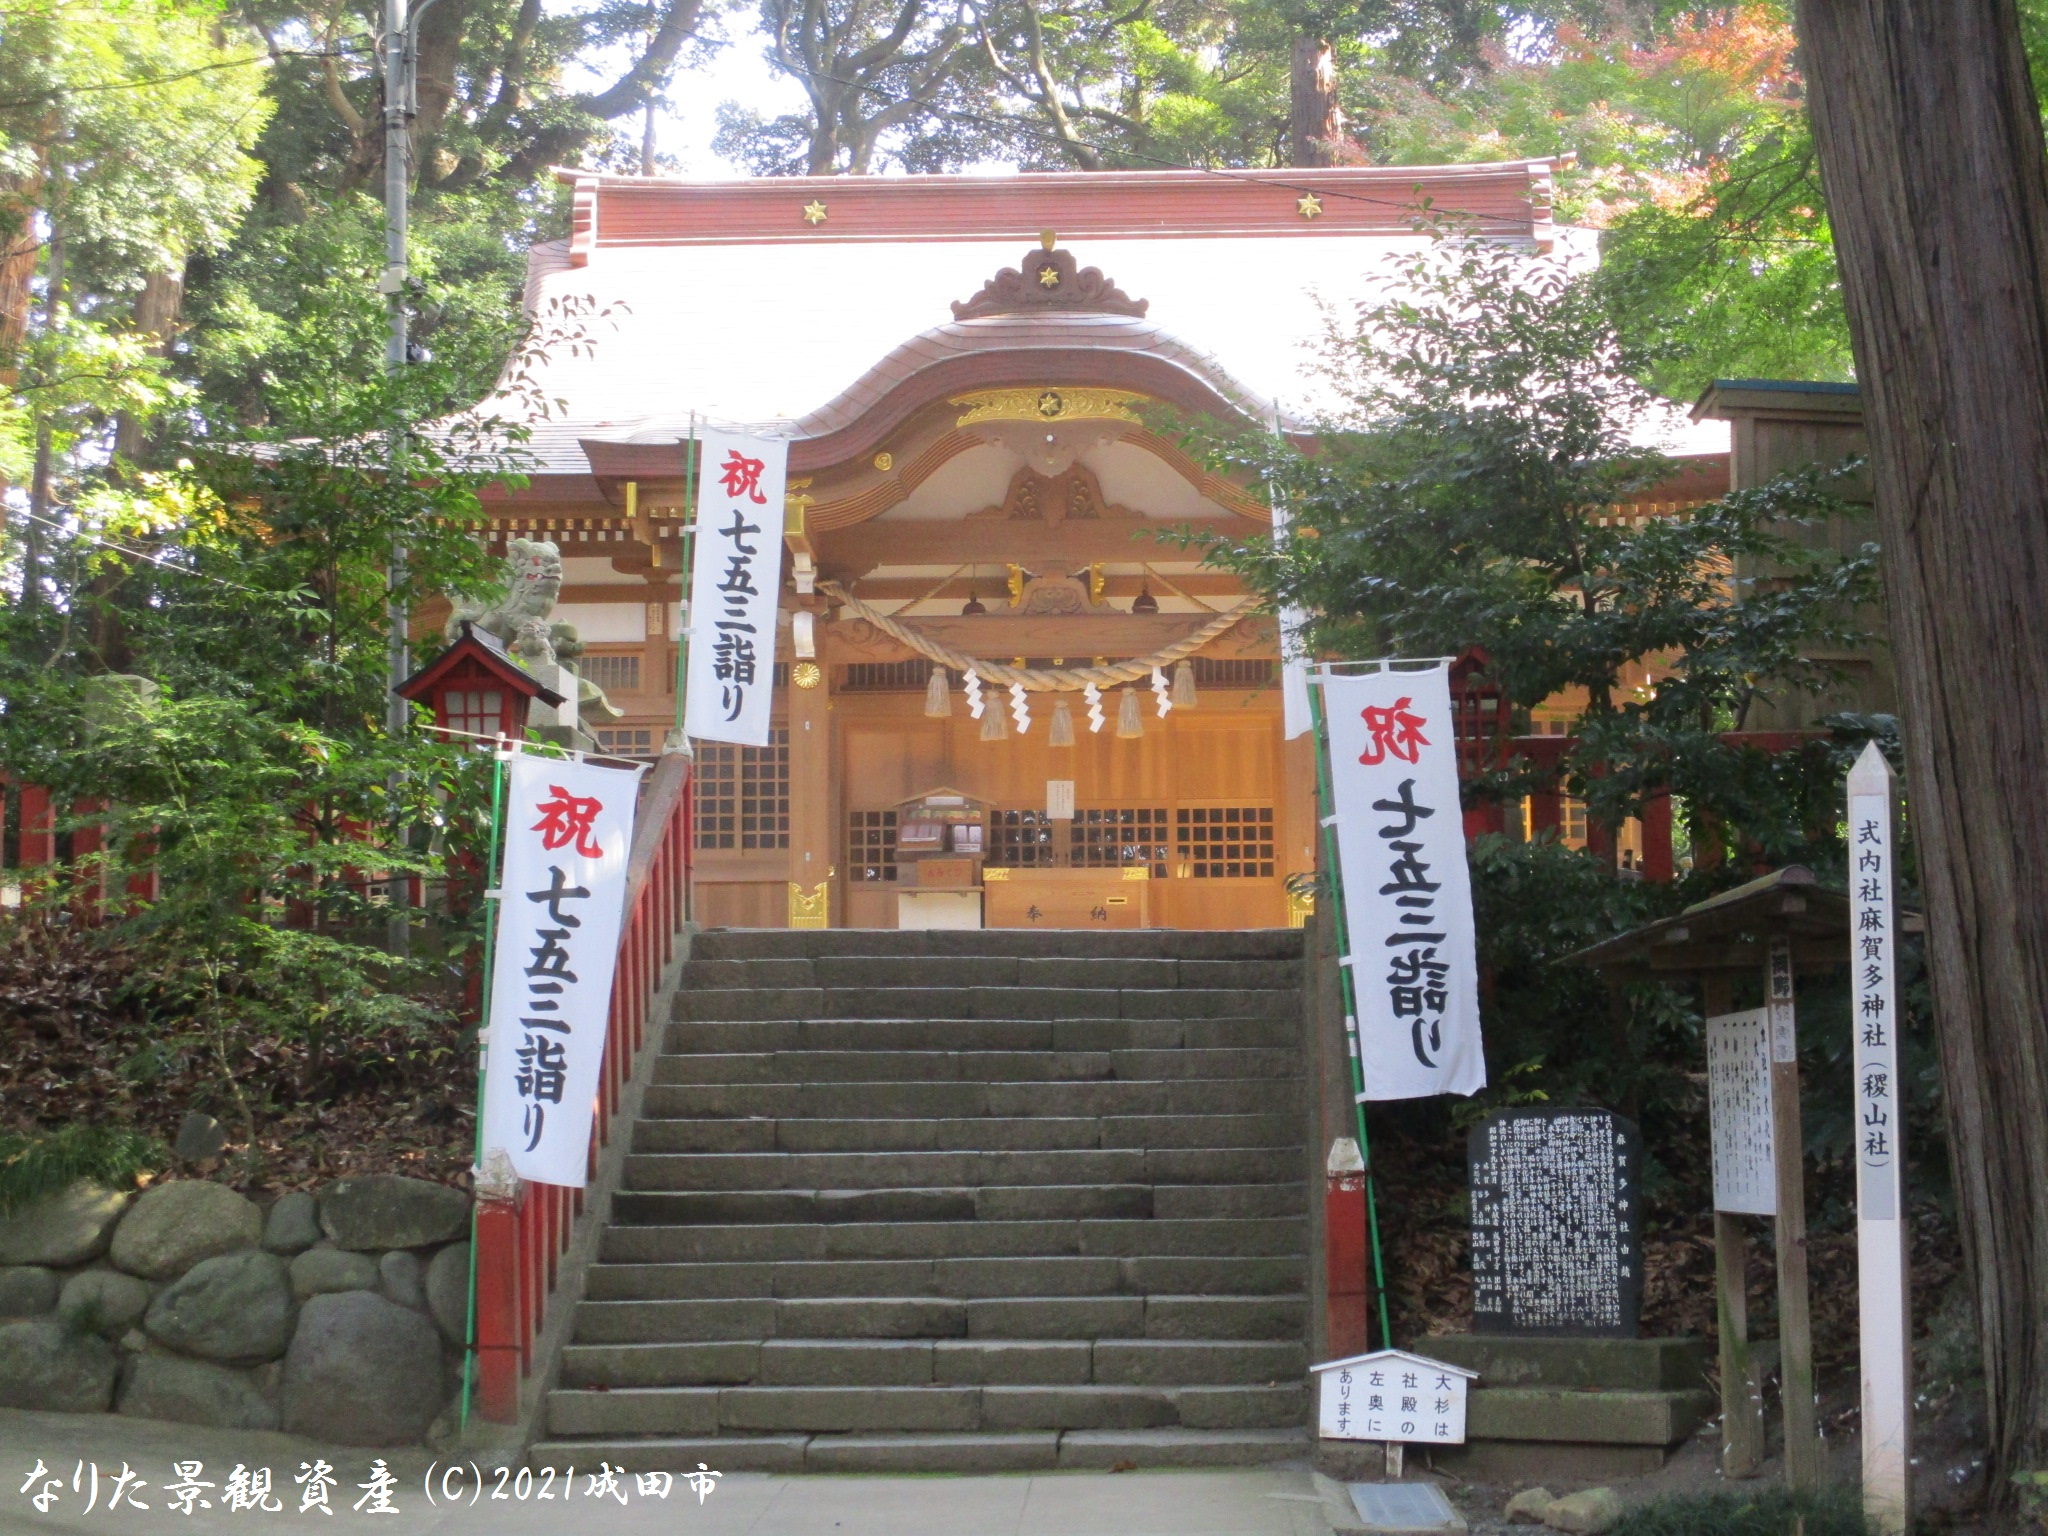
(1795, 1323)
(1658, 863)
(812, 819)
(1742, 1399)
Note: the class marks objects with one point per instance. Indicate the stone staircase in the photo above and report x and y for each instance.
(906, 1201)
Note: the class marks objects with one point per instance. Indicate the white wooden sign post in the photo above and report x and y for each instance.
(1393, 1397)
(1884, 1296)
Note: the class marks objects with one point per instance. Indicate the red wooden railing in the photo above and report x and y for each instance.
(520, 1240)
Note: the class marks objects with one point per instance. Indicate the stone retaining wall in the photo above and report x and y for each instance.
(338, 1315)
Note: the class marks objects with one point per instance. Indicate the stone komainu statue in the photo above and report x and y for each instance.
(520, 618)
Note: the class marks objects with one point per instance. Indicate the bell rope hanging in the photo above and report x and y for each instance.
(938, 697)
(1184, 685)
(1160, 692)
(995, 725)
(1061, 732)
(1129, 723)
(1093, 695)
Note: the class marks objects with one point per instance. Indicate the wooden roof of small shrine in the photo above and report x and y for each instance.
(1730, 932)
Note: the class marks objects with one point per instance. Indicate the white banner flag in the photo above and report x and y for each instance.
(735, 587)
(1407, 892)
(568, 831)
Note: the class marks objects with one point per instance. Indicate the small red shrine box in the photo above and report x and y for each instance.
(475, 688)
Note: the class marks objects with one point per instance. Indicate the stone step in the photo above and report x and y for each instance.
(1016, 1133)
(980, 1002)
(675, 1095)
(724, 1036)
(1228, 1319)
(1252, 1237)
(982, 1202)
(1584, 1418)
(1102, 972)
(713, 1409)
(1093, 1450)
(967, 1278)
(1625, 1365)
(982, 1067)
(1177, 944)
(701, 1171)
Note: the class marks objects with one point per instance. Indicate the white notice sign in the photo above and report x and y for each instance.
(568, 831)
(1739, 1110)
(735, 587)
(1884, 1292)
(1392, 1395)
(1407, 892)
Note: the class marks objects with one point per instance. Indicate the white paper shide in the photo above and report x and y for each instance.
(1407, 892)
(735, 586)
(568, 830)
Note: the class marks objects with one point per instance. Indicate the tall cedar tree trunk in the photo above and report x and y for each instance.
(1931, 153)
(1315, 123)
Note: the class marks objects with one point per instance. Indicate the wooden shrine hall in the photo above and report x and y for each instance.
(980, 379)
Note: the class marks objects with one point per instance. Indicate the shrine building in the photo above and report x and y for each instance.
(978, 378)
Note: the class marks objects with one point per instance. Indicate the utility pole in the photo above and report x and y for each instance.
(399, 56)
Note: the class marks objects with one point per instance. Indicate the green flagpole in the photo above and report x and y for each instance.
(1325, 804)
(491, 871)
(689, 538)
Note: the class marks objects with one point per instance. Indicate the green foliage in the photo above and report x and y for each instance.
(1460, 499)
(1764, 1510)
(32, 1167)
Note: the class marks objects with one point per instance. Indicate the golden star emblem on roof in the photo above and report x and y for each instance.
(1310, 206)
(1048, 276)
(814, 212)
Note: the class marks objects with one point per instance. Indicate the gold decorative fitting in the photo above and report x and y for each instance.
(1310, 206)
(813, 910)
(1137, 871)
(814, 212)
(1301, 906)
(885, 462)
(1048, 276)
(1047, 405)
(994, 876)
(805, 674)
(1047, 239)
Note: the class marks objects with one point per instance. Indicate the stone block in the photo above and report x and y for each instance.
(384, 1211)
(1526, 1507)
(933, 1453)
(70, 1227)
(362, 1371)
(104, 1301)
(448, 1292)
(846, 1363)
(323, 1270)
(1101, 1449)
(402, 1278)
(292, 1224)
(193, 1392)
(1589, 1512)
(46, 1366)
(174, 1226)
(27, 1290)
(237, 1306)
(1587, 1418)
(1621, 1365)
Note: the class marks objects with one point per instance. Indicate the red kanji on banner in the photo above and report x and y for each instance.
(741, 476)
(1395, 733)
(567, 819)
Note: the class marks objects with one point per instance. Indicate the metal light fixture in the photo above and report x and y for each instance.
(973, 610)
(1145, 602)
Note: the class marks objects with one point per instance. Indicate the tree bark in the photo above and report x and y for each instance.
(1315, 123)
(1931, 153)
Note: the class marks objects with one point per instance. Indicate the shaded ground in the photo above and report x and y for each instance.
(1261, 1501)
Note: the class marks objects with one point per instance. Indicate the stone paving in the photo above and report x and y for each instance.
(1261, 1501)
